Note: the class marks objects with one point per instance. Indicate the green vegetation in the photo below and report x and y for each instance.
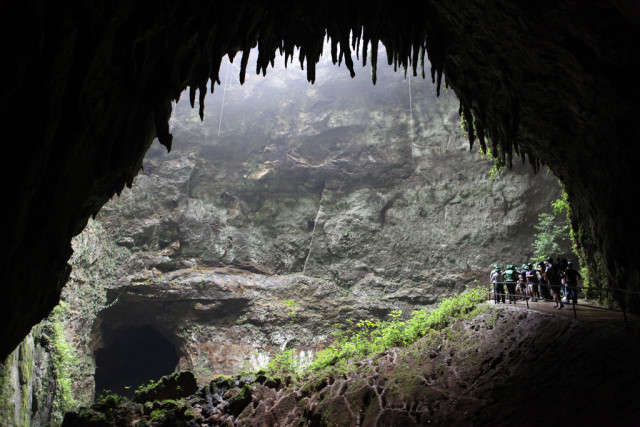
(284, 363)
(64, 361)
(292, 306)
(556, 237)
(35, 380)
(494, 172)
(108, 399)
(366, 338)
(553, 236)
(6, 391)
(144, 388)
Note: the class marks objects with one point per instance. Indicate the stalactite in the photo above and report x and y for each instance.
(192, 95)
(215, 71)
(468, 117)
(479, 128)
(345, 32)
(348, 61)
(161, 118)
(203, 92)
(414, 58)
(243, 63)
(374, 60)
(365, 45)
(423, 50)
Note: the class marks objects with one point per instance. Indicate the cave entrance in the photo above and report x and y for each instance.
(132, 356)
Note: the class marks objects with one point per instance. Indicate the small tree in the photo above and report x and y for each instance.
(553, 237)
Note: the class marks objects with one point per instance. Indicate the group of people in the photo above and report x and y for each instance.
(549, 280)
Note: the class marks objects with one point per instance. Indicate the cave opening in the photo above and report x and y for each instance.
(545, 84)
(284, 179)
(132, 356)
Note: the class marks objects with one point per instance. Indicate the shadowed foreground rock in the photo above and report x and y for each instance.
(506, 366)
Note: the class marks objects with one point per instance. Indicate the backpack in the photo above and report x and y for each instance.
(553, 274)
(571, 275)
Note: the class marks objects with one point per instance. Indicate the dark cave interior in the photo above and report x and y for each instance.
(130, 357)
(89, 85)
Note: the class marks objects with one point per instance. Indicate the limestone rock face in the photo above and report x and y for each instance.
(303, 206)
(30, 393)
(330, 180)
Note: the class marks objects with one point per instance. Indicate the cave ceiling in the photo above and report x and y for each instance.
(88, 86)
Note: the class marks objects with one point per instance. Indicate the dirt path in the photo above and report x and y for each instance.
(584, 311)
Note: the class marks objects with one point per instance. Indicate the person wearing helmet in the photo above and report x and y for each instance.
(495, 267)
(544, 284)
(510, 276)
(498, 286)
(532, 282)
(552, 274)
(521, 288)
(571, 277)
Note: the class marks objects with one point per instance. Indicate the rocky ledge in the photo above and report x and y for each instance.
(224, 319)
(504, 366)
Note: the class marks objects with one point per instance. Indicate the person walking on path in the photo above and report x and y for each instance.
(571, 277)
(495, 267)
(511, 278)
(498, 287)
(544, 284)
(552, 274)
(532, 282)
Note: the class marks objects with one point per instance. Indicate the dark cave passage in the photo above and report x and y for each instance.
(132, 356)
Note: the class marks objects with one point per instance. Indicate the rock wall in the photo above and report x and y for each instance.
(294, 207)
(330, 180)
(35, 387)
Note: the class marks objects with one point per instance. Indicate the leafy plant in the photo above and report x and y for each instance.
(64, 361)
(291, 304)
(553, 236)
(284, 363)
(368, 337)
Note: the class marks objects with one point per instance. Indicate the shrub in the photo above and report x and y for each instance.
(368, 337)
